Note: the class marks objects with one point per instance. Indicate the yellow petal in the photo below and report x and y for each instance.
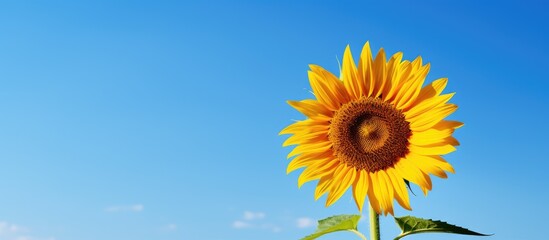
(339, 93)
(323, 185)
(305, 126)
(439, 162)
(396, 81)
(411, 173)
(401, 193)
(342, 180)
(311, 108)
(434, 160)
(427, 105)
(432, 137)
(407, 70)
(304, 160)
(433, 89)
(312, 147)
(387, 192)
(432, 150)
(380, 73)
(351, 82)
(316, 171)
(365, 69)
(452, 141)
(426, 121)
(360, 188)
(393, 79)
(424, 179)
(374, 195)
(306, 138)
(424, 189)
(410, 90)
(323, 91)
(445, 124)
(426, 166)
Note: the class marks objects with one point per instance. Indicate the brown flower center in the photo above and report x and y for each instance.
(369, 134)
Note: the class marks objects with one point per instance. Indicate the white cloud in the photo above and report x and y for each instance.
(10, 231)
(241, 224)
(32, 238)
(126, 208)
(249, 215)
(24, 238)
(271, 227)
(167, 228)
(255, 220)
(10, 228)
(305, 222)
(171, 227)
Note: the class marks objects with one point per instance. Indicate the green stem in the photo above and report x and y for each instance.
(358, 233)
(374, 224)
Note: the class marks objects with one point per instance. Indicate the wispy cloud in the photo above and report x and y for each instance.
(249, 215)
(31, 238)
(271, 227)
(170, 227)
(10, 231)
(126, 208)
(10, 228)
(167, 228)
(254, 220)
(305, 222)
(241, 224)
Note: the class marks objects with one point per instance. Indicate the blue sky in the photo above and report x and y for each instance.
(160, 119)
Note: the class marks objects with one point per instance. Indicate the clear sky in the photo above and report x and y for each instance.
(159, 120)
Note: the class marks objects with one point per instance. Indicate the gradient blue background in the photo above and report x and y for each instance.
(176, 107)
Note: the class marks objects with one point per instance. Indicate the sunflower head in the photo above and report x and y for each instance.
(372, 129)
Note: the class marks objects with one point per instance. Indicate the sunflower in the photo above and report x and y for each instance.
(373, 129)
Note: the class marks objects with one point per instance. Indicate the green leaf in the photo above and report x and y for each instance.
(334, 224)
(412, 225)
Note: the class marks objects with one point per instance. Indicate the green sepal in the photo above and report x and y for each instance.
(413, 225)
(334, 224)
(409, 187)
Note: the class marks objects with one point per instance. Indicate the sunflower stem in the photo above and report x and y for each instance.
(374, 224)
